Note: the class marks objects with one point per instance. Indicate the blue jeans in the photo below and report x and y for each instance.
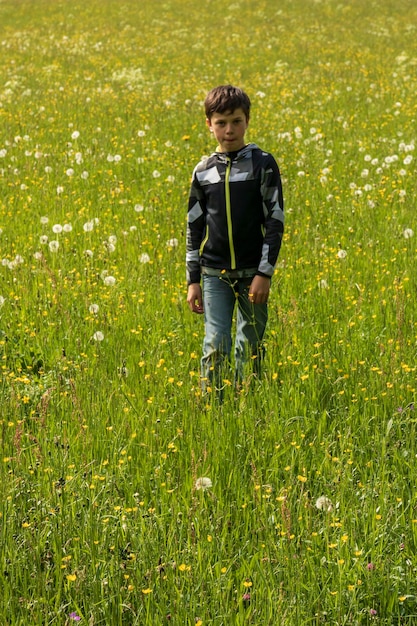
(221, 293)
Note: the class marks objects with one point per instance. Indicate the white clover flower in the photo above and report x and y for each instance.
(109, 280)
(203, 483)
(53, 245)
(172, 243)
(98, 336)
(144, 258)
(324, 504)
(93, 308)
(408, 233)
(342, 254)
(57, 228)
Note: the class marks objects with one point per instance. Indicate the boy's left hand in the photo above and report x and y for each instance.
(259, 290)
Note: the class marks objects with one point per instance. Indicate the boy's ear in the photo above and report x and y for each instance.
(208, 124)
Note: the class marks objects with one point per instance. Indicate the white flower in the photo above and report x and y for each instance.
(85, 175)
(67, 228)
(144, 258)
(44, 219)
(57, 228)
(109, 280)
(408, 159)
(139, 208)
(117, 158)
(43, 239)
(88, 253)
(156, 174)
(2, 301)
(54, 245)
(408, 233)
(59, 189)
(203, 483)
(170, 178)
(75, 134)
(323, 284)
(172, 243)
(342, 254)
(88, 226)
(38, 256)
(113, 239)
(69, 172)
(141, 133)
(324, 504)
(93, 308)
(48, 169)
(98, 336)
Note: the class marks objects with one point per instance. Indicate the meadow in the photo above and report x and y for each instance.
(127, 498)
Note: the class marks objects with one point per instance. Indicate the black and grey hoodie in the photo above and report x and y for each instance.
(235, 213)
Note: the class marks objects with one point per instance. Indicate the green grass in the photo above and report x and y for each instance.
(103, 441)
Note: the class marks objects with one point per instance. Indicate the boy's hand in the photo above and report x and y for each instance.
(259, 290)
(195, 298)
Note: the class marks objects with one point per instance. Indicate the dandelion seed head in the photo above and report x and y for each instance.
(203, 483)
(98, 336)
(53, 245)
(342, 254)
(144, 258)
(109, 280)
(57, 228)
(408, 233)
(323, 503)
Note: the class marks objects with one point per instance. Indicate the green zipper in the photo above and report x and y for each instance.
(229, 215)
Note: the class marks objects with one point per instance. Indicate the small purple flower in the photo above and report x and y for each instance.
(246, 597)
(75, 617)
(372, 612)
(370, 567)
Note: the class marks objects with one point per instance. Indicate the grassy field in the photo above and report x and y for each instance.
(127, 498)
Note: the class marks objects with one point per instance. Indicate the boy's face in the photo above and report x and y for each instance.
(229, 129)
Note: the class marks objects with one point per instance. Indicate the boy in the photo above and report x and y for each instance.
(234, 233)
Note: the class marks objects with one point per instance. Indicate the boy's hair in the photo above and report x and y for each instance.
(226, 98)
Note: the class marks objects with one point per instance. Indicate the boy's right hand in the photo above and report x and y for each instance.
(195, 298)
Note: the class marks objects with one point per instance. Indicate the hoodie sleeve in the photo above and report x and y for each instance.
(273, 208)
(196, 227)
